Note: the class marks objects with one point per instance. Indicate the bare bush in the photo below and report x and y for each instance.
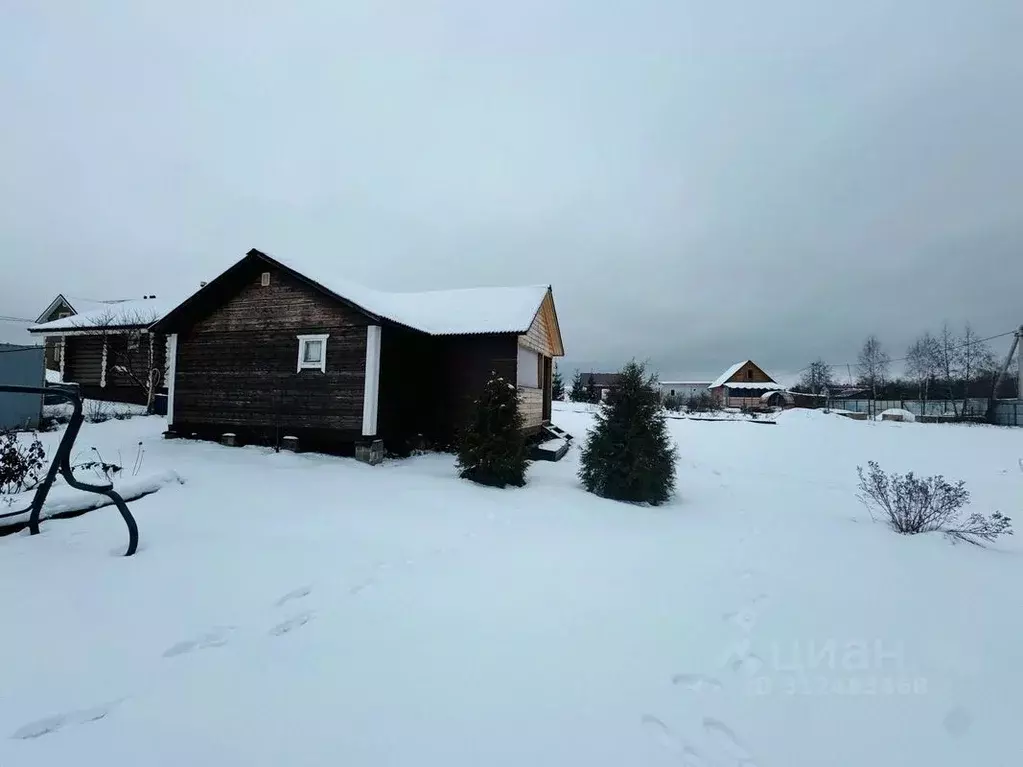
(913, 505)
(21, 463)
(702, 403)
(673, 402)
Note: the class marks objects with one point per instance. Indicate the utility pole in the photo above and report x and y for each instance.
(1017, 349)
(1019, 363)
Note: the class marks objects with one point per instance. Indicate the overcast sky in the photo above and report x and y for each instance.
(701, 182)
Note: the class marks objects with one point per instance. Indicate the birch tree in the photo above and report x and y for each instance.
(923, 364)
(873, 364)
(973, 357)
(817, 378)
(948, 363)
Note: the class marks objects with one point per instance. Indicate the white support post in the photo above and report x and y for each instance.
(63, 356)
(172, 367)
(371, 392)
(103, 365)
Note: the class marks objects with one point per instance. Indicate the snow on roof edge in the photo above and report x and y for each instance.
(458, 311)
(129, 313)
(721, 379)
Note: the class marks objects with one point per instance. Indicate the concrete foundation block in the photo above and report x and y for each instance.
(370, 451)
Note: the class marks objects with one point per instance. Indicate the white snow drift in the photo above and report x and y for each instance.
(306, 610)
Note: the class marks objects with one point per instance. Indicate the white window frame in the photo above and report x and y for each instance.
(527, 368)
(321, 364)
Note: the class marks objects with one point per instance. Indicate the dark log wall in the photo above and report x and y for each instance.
(471, 360)
(83, 359)
(428, 383)
(131, 352)
(237, 366)
(411, 385)
(83, 365)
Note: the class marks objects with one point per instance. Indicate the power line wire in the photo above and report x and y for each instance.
(903, 359)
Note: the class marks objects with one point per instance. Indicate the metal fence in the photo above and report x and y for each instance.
(974, 407)
(21, 366)
(1008, 412)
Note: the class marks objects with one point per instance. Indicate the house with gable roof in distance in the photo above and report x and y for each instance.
(270, 349)
(105, 346)
(744, 384)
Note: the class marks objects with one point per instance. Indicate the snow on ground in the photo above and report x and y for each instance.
(307, 610)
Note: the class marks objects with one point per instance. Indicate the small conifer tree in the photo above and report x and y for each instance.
(557, 385)
(629, 454)
(592, 393)
(578, 390)
(492, 448)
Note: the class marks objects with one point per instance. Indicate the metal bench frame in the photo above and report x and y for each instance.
(61, 463)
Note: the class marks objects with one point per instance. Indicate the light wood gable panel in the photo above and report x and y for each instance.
(759, 376)
(544, 335)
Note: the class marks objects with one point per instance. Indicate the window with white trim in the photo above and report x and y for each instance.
(528, 368)
(312, 352)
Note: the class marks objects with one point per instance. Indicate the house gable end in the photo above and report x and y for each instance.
(246, 305)
(749, 372)
(56, 307)
(543, 334)
(244, 274)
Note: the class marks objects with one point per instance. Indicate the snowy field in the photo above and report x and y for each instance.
(306, 610)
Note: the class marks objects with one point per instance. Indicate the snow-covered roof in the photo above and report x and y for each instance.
(766, 385)
(438, 312)
(77, 305)
(720, 380)
(452, 312)
(136, 312)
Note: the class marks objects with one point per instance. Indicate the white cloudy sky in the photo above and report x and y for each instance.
(700, 181)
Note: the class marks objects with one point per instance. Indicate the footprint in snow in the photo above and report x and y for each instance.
(740, 659)
(725, 738)
(285, 627)
(744, 619)
(361, 586)
(669, 740)
(52, 724)
(696, 682)
(215, 638)
(299, 593)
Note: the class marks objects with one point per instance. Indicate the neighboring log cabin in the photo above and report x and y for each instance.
(105, 347)
(265, 351)
(744, 384)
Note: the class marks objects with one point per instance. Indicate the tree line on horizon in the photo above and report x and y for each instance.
(942, 366)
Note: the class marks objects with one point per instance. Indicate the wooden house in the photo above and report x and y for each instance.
(602, 383)
(743, 385)
(105, 346)
(266, 350)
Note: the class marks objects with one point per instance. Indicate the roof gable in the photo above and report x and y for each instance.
(734, 370)
(108, 315)
(55, 304)
(544, 335)
(439, 312)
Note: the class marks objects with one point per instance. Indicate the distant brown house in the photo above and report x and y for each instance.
(266, 350)
(602, 382)
(105, 346)
(744, 384)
